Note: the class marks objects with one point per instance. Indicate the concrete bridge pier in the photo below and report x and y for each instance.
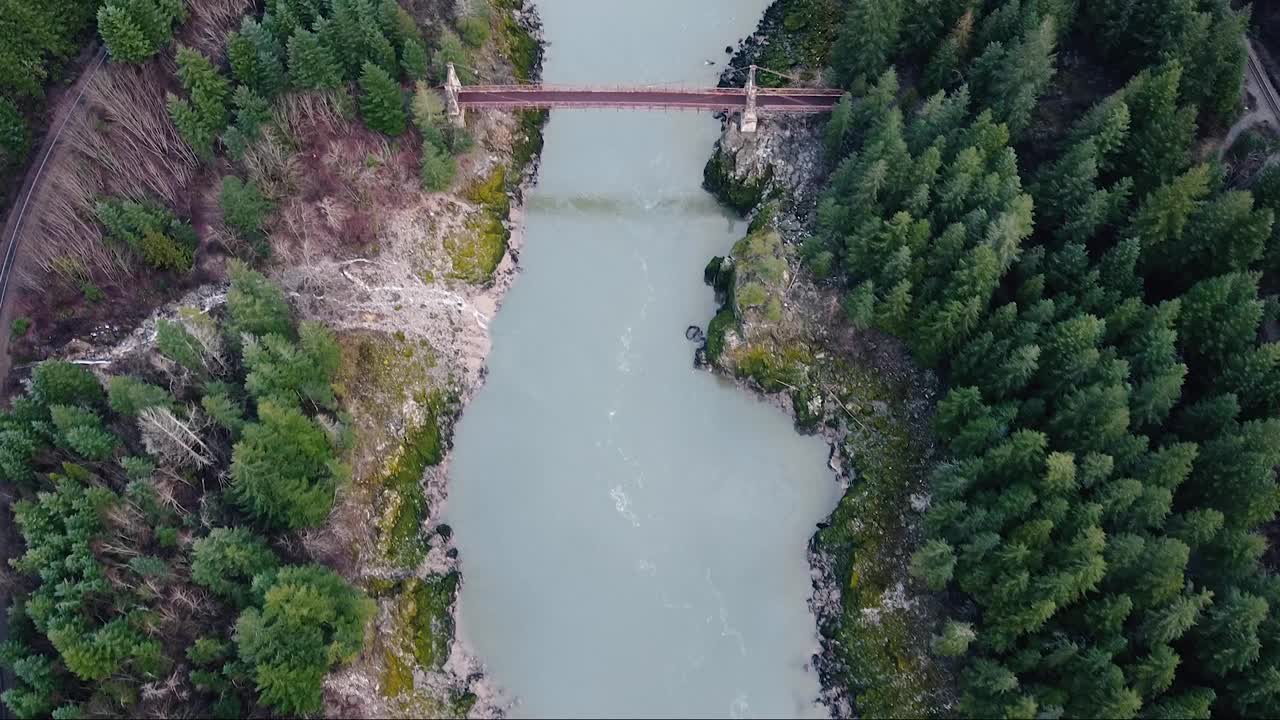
(747, 123)
(453, 109)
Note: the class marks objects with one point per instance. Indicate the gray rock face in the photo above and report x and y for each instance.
(783, 157)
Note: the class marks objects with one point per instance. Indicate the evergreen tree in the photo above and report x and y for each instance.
(1219, 320)
(1011, 80)
(838, 126)
(438, 167)
(227, 560)
(286, 373)
(283, 471)
(15, 136)
(943, 69)
(382, 104)
(134, 30)
(206, 115)
(56, 382)
(255, 305)
(256, 58)
(243, 207)
(413, 59)
(311, 64)
(1161, 131)
(308, 620)
(934, 564)
(867, 40)
(129, 395)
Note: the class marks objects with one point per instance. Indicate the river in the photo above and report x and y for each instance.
(632, 531)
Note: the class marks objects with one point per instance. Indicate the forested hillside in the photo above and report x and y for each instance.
(149, 517)
(175, 496)
(1020, 191)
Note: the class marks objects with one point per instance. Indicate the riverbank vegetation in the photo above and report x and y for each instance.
(234, 477)
(1027, 194)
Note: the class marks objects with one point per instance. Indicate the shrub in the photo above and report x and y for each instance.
(19, 327)
(208, 651)
(474, 30)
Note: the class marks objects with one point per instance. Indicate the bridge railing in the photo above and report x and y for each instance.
(524, 89)
(676, 89)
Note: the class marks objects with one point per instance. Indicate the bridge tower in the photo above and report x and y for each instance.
(455, 111)
(748, 122)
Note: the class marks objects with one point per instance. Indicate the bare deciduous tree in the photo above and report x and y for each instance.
(171, 438)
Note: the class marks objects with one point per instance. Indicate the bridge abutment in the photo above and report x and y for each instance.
(747, 123)
(453, 108)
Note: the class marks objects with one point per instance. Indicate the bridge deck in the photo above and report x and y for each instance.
(796, 100)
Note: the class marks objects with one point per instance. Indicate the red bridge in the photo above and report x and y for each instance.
(749, 101)
(788, 100)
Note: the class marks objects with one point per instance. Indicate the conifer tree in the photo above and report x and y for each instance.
(256, 58)
(205, 115)
(867, 40)
(308, 621)
(382, 102)
(311, 64)
(283, 471)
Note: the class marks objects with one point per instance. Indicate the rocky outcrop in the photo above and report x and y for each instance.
(783, 159)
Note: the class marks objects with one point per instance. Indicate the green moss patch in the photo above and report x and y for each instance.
(401, 537)
(724, 321)
(475, 254)
(514, 42)
(427, 619)
(379, 373)
(421, 632)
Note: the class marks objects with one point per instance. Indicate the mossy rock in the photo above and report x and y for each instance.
(717, 178)
(402, 537)
(475, 254)
(716, 329)
(432, 621)
(802, 397)
(719, 274)
(773, 369)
